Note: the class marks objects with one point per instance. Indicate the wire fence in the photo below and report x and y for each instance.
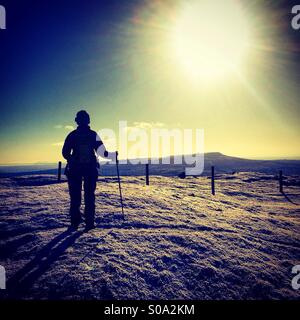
(280, 177)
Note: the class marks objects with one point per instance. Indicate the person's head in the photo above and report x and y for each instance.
(82, 118)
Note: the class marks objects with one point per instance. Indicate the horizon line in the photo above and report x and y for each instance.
(262, 158)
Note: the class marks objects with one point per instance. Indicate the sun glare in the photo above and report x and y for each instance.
(210, 38)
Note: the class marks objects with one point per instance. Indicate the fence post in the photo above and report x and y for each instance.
(147, 174)
(280, 181)
(213, 180)
(59, 172)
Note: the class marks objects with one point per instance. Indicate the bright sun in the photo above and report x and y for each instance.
(210, 38)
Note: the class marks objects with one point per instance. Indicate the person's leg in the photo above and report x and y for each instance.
(90, 181)
(75, 185)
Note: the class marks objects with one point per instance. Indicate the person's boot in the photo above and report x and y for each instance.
(75, 219)
(89, 218)
(89, 227)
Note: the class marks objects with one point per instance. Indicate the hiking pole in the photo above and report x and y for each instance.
(119, 181)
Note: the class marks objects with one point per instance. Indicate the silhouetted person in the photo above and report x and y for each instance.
(79, 150)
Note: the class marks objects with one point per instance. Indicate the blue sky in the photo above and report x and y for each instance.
(59, 56)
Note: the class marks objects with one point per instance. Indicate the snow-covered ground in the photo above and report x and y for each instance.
(177, 242)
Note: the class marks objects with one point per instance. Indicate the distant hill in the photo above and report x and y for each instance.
(222, 163)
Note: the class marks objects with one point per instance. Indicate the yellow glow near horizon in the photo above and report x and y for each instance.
(227, 66)
(210, 39)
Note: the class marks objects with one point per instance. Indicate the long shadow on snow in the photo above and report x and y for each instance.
(21, 282)
(289, 199)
